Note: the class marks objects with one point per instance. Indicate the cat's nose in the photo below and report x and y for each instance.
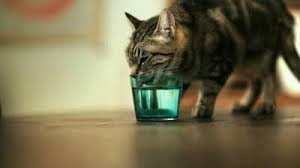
(134, 71)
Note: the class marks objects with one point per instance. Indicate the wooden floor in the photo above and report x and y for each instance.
(115, 140)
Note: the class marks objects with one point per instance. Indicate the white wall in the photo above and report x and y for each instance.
(290, 84)
(42, 79)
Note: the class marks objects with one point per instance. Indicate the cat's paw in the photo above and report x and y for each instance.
(240, 109)
(265, 109)
(204, 112)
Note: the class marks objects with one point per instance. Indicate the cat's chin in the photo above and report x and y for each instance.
(145, 80)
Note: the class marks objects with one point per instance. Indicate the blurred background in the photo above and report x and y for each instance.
(68, 56)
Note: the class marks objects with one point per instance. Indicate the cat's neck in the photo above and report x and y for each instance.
(183, 25)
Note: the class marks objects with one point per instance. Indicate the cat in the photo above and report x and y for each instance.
(208, 40)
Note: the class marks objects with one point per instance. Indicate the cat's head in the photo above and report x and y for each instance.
(152, 48)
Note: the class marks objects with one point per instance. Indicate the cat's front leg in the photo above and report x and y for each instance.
(207, 96)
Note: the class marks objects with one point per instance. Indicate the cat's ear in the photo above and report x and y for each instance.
(166, 26)
(133, 20)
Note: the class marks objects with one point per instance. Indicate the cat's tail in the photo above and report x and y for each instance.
(288, 48)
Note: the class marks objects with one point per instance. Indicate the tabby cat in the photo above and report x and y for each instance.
(208, 40)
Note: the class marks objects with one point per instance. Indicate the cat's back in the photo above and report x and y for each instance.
(252, 19)
(235, 9)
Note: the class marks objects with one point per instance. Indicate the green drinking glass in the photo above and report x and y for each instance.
(157, 102)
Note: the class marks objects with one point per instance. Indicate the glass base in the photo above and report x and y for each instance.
(156, 119)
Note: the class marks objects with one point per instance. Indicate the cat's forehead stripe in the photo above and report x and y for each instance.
(146, 29)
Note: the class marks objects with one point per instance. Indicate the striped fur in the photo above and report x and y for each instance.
(213, 39)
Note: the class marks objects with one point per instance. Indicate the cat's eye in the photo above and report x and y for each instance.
(160, 59)
(143, 59)
(162, 54)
